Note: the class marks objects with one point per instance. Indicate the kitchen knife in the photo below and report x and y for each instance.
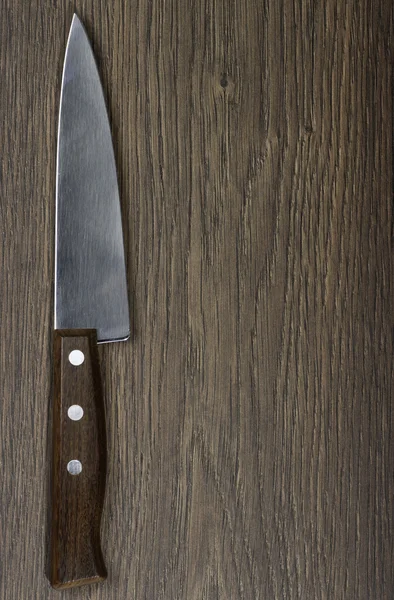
(91, 307)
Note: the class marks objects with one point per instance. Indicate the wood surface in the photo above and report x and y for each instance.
(250, 418)
(77, 498)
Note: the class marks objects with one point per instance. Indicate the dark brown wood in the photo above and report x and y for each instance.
(250, 420)
(77, 498)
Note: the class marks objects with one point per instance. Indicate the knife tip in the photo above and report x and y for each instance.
(76, 20)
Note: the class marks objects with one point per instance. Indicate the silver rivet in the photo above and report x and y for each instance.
(74, 467)
(75, 412)
(76, 358)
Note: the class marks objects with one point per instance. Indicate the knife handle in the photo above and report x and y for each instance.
(79, 461)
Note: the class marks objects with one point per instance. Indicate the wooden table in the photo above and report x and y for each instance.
(250, 419)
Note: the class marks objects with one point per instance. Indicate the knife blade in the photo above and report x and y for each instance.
(91, 307)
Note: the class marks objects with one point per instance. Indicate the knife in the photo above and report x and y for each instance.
(91, 307)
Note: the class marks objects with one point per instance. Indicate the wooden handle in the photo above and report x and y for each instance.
(79, 441)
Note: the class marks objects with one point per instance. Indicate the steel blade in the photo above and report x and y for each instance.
(90, 276)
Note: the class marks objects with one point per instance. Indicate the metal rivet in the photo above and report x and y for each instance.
(76, 358)
(74, 467)
(75, 412)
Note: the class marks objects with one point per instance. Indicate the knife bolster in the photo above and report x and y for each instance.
(79, 461)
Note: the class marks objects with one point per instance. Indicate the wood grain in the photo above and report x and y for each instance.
(77, 499)
(250, 418)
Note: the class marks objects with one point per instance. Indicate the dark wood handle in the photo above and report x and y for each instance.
(77, 499)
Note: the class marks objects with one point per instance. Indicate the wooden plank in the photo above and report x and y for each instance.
(250, 418)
